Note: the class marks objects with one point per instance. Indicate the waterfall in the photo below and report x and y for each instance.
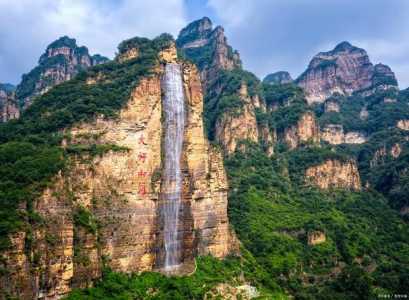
(172, 178)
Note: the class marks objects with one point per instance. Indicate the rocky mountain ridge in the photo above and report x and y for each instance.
(343, 70)
(62, 60)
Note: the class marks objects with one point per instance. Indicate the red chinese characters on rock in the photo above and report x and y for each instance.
(142, 157)
(142, 189)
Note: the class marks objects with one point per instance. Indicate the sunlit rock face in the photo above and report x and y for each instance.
(123, 193)
(305, 131)
(62, 60)
(343, 70)
(200, 37)
(334, 174)
(231, 128)
(334, 134)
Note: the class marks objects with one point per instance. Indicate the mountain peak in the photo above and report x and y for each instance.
(343, 46)
(345, 69)
(197, 29)
(279, 77)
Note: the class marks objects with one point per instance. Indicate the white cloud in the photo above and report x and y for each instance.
(28, 26)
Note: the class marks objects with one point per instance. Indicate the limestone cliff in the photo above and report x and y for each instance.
(304, 131)
(334, 174)
(343, 70)
(233, 127)
(104, 210)
(335, 135)
(8, 104)
(208, 48)
(62, 60)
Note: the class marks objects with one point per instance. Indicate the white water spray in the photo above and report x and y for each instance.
(172, 178)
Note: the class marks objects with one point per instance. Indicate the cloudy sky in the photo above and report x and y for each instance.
(271, 35)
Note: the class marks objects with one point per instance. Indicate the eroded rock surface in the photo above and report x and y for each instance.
(334, 174)
(343, 70)
(120, 191)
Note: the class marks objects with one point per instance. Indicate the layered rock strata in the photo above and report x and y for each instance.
(306, 130)
(334, 174)
(62, 60)
(343, 70)
(119, 194)
(335, 135)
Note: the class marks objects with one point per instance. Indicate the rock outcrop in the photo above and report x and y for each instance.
(118, 195)
(280, 77)
(62, 60)
(305, 131)
(343, 70)
(8, 104)
(331, 105)
(403, 124)
(233, 127)
(335, 135)
(199, 38)
(334, 174)
(316, 237)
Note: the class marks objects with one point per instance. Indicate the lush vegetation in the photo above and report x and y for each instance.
(223, 98)
(366, 251)
(150, 285)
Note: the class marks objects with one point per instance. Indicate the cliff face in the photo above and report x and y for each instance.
(208, 48)
(335, 135)
(306, 130)
(8, 105)
(62, 60)
(343, 70)
(105, 210)
(334, 174)
(234, 127)
(280, 77)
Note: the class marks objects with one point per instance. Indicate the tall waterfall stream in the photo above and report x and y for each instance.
(172, 178)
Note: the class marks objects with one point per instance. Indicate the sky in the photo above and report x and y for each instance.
(271, 35)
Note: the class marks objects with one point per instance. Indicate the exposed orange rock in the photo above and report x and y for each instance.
(120, 190)
(334, 174)
(306, 130)
(335, 135)
(316, 238)
(231, 128)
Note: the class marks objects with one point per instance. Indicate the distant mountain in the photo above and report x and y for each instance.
(343, 70)
(278, 78)
(62, 60)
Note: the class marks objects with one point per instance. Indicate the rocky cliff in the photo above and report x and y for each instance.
(343, 70)
(233, 127)
(105, 209)
(280, 77)
(62, 60)
(208, 48)
(8, 104)
(334, 174)
(335, 135)
(305, 131)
